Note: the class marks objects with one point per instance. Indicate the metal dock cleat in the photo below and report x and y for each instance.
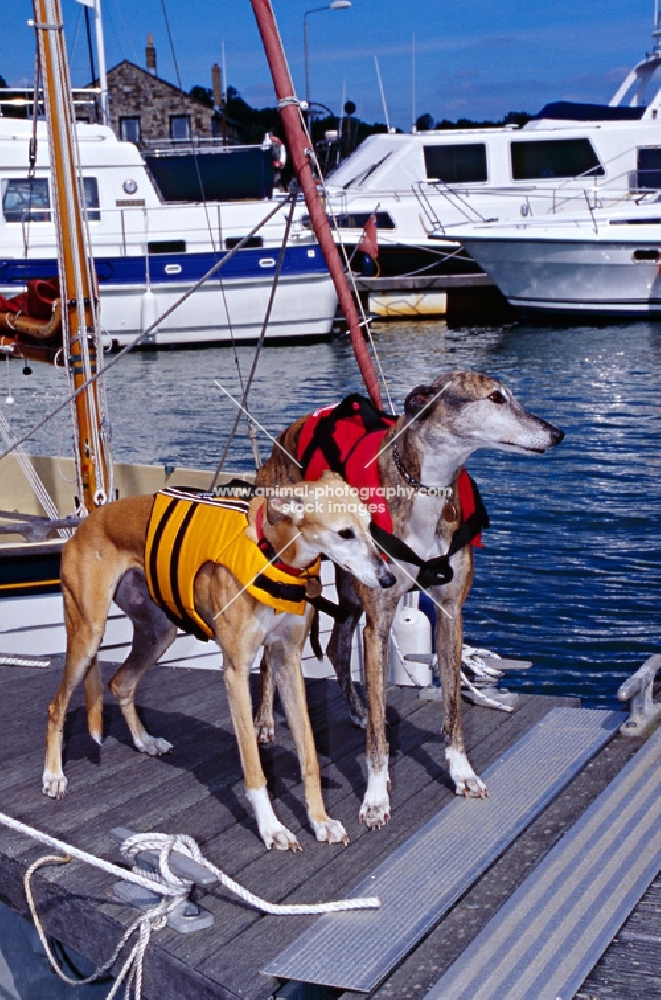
(486, 670)
(639, 690)
(187, 917)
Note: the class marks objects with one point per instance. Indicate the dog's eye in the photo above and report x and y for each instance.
(498, 397)
(347, 533)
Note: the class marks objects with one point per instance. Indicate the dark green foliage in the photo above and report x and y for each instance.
(511, 118)
(202, 94)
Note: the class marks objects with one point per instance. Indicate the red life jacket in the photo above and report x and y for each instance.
(346, 439)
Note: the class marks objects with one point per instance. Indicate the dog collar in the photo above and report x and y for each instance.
(449, 512)
(406, 476)
(313, 583)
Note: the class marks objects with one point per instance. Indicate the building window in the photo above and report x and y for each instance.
(91, 192)
(533, 160)
(461, 163)
(179, 127)
(26, 200)
(129, 129)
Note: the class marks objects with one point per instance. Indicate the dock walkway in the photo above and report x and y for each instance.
(197, 790)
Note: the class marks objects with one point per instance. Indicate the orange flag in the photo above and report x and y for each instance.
(369, 242)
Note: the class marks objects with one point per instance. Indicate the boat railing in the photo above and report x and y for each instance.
(479, 205)
(136, 230)
(18, 102)
(197, 144)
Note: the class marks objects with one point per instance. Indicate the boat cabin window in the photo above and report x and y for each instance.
(358, 220)
(180, 127)
(166, 246)
(535, 159)
(233, 241)
(460, 163)
(91, 191)
(25, 200)
(129, 129)
(649, 169)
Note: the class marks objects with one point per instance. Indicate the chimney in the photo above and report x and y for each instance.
(150, 55)
(216, 86)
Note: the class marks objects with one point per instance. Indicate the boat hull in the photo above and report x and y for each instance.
(573, 276)
(230, 306)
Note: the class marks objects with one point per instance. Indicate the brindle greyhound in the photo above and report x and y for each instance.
(443, 423)
(106, 559)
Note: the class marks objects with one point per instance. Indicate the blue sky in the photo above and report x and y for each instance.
(474, 58)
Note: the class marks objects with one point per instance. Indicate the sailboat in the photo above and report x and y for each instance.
(60, 491)
(45, 497)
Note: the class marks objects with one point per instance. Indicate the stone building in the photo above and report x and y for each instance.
(146, 110)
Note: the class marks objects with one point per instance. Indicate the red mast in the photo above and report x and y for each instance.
(298, 145)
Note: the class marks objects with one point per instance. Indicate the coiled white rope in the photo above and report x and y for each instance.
(173, 889)
(164, 844)
(131, 971)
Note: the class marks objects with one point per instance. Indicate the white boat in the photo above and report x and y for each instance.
(426, 186)
(603, 262)
(147, 253)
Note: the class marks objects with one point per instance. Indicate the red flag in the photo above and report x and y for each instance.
(369, 242)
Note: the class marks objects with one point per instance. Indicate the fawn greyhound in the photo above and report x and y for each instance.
(443, 423)
(106, 559)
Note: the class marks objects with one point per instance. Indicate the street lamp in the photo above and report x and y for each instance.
(333, 5)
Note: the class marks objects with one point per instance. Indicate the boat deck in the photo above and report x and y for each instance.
(197, 790)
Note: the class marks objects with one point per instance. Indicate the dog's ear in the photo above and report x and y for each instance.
(284, 509)
(418, 399)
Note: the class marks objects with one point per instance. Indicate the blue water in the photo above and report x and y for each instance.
(570, 573)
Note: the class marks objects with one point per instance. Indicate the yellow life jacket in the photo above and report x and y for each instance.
(185, 531)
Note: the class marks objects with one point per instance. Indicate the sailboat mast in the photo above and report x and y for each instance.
(81, 335)
(298, 144)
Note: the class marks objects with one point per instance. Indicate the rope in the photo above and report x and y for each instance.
(131, 972)
(164, 844)
(173, 889)
(20, 661)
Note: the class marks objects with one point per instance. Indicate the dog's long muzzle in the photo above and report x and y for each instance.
(386, 578)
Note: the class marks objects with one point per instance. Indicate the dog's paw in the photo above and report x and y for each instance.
(152, 745)
(54, 785)
(265, 733)
(374, 814)
(375, 810)
(271, 830)
(329, 831)
(473, 788)
(465, 780)
(280, 838)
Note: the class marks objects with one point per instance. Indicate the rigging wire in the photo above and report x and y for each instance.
(364, 322)
(244, 401)
(198, 172)
(146, 333)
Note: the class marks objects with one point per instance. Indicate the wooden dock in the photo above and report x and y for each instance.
(197, 790)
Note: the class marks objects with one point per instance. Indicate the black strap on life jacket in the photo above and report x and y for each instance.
(246, 490)
(437, 571)
(323, 435)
